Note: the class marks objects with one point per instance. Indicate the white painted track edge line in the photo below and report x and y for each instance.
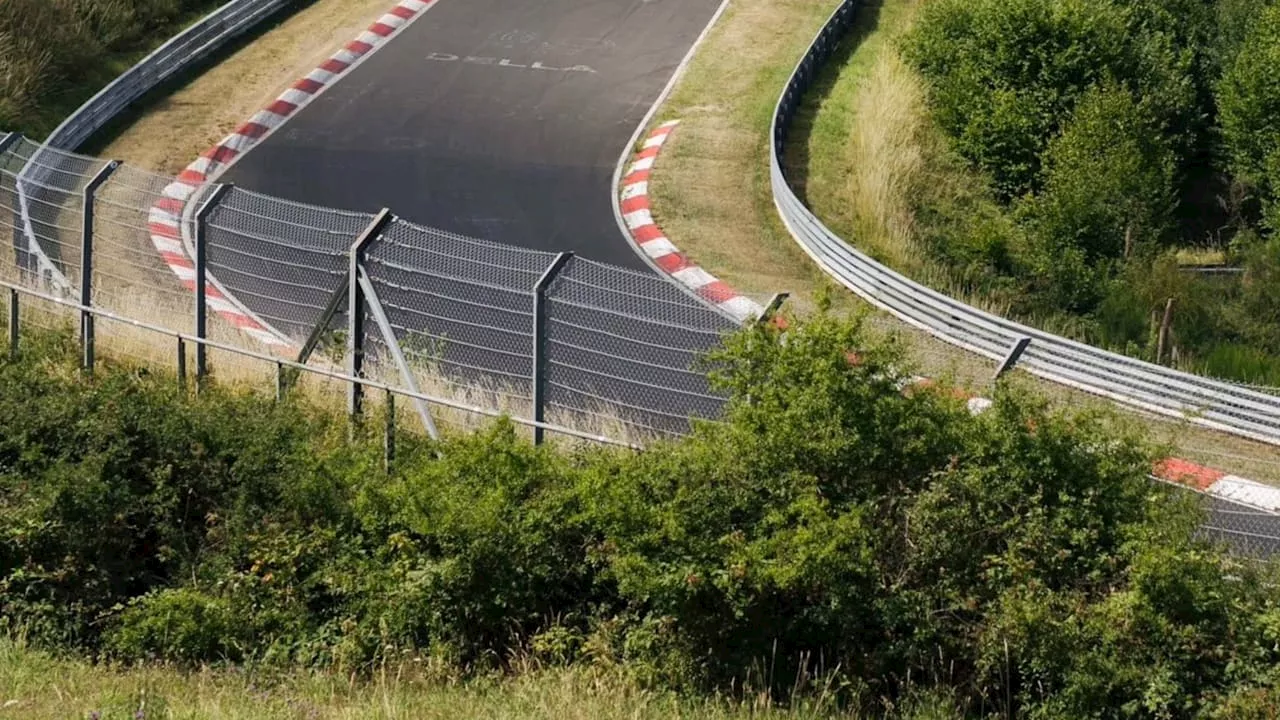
(628, 150)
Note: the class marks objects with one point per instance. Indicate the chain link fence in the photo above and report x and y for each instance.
(620, 349)
(481, 328)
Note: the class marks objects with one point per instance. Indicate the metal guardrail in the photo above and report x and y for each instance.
(179, 53)
(1206, 402)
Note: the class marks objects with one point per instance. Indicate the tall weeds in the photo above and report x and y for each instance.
(54, 54)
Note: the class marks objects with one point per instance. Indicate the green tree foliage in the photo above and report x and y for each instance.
(1005, 74)
(1249, 101)
(1108, 193)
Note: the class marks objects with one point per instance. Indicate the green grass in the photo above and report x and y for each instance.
(35, 685)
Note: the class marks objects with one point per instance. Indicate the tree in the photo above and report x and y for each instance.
(1108, 190)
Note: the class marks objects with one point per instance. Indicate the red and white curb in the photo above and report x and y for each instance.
(165, 219)
(1220, 484)
(637, 214)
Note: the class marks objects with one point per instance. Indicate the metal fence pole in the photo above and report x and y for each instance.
(182, 364)
(13, 324)
(202, 279)
(86, 262)
(389, 436)
(355, 311)
(539, 341)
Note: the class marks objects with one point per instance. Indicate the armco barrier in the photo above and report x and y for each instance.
(1209, 403)
(179, 53)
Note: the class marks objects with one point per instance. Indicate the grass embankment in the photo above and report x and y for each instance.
(56, 55)
(712, 195)
(836, 544)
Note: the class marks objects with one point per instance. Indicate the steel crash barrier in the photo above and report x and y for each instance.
(1206, 402)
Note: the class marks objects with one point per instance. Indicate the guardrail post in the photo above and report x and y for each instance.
(355, 311)
(540, 341)
(86, 262)
(1011, 359)
(202, 279)
(772, 308)
(13, 324)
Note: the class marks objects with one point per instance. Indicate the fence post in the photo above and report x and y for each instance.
(202, 279)
(355, 311)
(539, 341)
(13, 324)
(182, 364)
(19, 238)
(389, 437)
(1015, 354)
(86, 262)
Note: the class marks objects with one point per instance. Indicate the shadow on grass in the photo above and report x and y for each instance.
(795, 159)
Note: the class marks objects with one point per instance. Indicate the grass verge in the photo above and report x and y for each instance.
(712, 194)
(35, 685)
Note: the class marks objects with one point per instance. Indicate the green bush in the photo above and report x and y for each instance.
(1004, 74)
(1108, 193)
(885, 545)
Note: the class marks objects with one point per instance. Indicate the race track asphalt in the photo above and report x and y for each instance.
(494, 119)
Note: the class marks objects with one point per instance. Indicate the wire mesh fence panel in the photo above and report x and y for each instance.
(1243, 529)
(462, 311)
(48, 202)
(282, 260)
(11, 233)
(627, 348)
(130, 275)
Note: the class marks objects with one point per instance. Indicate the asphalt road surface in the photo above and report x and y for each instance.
(494, 119)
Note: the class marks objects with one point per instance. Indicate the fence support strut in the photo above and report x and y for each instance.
(540, 342)
(1015, 354)
(202, 279)
(771, 309)
(379, 316)
(356, 302)
(86, 262)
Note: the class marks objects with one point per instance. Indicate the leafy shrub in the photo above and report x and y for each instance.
(180, 624)
(1249, 101)
(1005, 73)
(835, 527)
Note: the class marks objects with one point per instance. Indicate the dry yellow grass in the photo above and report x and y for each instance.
(36, 686)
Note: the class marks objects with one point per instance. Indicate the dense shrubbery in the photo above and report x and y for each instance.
(834, 530)
(1112, 133)
(54, 54)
